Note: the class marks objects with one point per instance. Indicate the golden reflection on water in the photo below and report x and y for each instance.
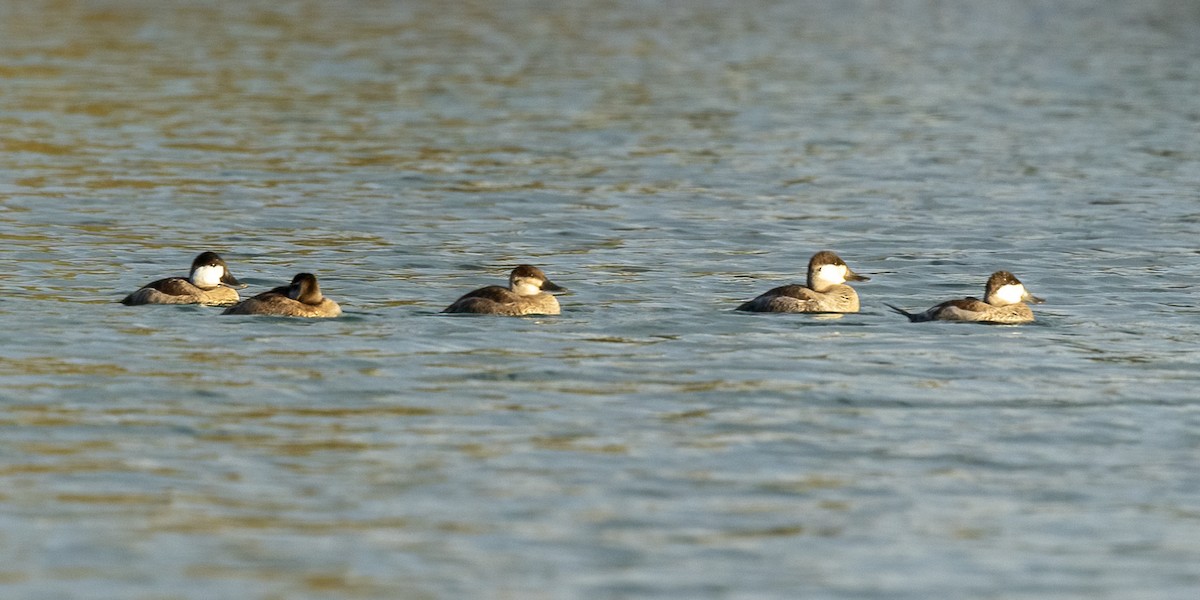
(578, 443)
(73, 466)
(293, 90)
(49, 365)
(65, 449)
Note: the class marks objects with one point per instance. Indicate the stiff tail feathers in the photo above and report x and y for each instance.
(911, 316)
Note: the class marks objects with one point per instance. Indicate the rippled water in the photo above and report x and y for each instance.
(665, 161)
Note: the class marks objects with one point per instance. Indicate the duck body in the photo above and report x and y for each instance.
(971, 309)
(177, 290)
(800, 299)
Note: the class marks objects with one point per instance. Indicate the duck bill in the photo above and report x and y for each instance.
(1033, 299)
(230, 281)
(550, 286)
(852, 276)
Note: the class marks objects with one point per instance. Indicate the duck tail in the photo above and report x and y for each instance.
(911, 316)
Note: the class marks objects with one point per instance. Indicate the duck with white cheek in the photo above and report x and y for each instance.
(209, 282)
(826, 290)
(1004, 301)
(526, 294)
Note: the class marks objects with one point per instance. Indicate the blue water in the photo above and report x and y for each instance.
(664, 161)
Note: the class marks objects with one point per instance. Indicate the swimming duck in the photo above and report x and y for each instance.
(525, 295)
(301, 298)
(826, 291)
(1003, 301)
(209, 282)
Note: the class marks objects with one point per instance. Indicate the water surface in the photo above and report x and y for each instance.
(665, 162)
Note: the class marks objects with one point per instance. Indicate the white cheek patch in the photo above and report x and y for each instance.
(208, 276)
(524, 287)
(1011, 293)
(832, 273)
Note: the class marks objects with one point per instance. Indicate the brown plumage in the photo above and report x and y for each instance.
(301, 298)
(525, 295)
(209, 282)
(826, 291)
(1004, 302)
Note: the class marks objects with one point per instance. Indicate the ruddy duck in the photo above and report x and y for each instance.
(1003, 302)
(826, 291)
(210, 282)
(302, 298)
(525, 295)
